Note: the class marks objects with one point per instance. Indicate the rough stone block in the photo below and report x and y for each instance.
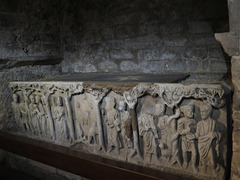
(175, 66)
(108, 66)
(121, 54)
(198, 53)
(206, 66)
(124, 31)
(174, 41)
(193, 65)
(152, 67)
(115, 44)
(128, 66)
(199, 27)
(143, 42)
(215, 53)
(218, 66)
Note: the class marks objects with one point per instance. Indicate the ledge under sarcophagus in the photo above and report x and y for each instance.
(152, 121)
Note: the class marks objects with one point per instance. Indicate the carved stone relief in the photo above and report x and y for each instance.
(180, 127)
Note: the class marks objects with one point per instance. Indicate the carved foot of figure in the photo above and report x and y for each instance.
(173, 161)
(195, 169)
(100, 148)
(132, 153)
(110, 149)
(185, 165)
(203, 169)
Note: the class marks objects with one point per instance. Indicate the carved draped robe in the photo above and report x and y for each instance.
(60, 123)
(33, 111)
(148, 131)
(183, 124)
(17, 113)
(205, 141)
(42, 118)
(113, 128)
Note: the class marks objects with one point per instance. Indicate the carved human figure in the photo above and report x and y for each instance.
(83, 122)
(33, 112)
(126, 125)
(59, 115)
(131, 99)
(148, 130)
(208, 138)
(168, 142)
(41, 115)
(186, 129)
(113, 125)
(17, 111)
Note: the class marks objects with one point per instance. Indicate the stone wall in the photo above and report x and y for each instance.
(144, 37)
(29, 46)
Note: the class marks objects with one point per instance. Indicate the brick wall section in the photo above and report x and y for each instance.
(29, 28)
(29, 46)
(143, 36)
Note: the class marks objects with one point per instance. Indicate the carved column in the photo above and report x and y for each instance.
(49, 116)
(70, 122)
(98, 98)
(131, 101)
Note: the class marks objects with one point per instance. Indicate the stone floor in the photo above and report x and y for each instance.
(10, 174)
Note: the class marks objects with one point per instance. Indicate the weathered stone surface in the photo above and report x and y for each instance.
(121, 54)
(236, 140)
(37, 169)
(235, 166)
(229, 42)
(128, 66)
(199, 27)
(108, 66)
(143, 123)
(218, 66)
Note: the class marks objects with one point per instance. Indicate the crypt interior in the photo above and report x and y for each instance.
(92, 63)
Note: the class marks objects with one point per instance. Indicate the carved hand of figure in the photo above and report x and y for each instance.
(185, 131)
(156, 134)
(213, 135)
(188, 130)
(191, 136)
(178, 111)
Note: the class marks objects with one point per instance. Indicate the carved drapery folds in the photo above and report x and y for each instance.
(181, 127)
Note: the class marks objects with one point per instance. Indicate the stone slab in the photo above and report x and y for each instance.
(160, 78)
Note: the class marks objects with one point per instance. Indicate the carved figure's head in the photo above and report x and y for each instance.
(122, 105)
(188, 110)
(59, 101)
(206, 110)
(38, 99)
(32, 99)
(16, 98)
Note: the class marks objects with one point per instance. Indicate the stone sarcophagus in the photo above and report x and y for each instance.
(172, 127)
